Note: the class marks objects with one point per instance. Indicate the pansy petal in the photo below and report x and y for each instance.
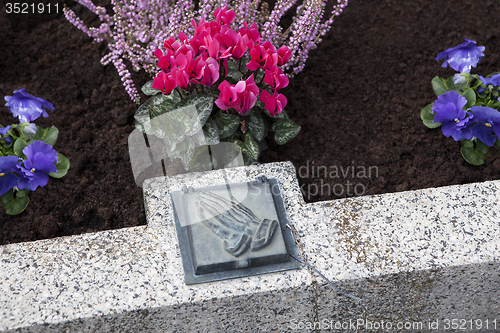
(7, 182)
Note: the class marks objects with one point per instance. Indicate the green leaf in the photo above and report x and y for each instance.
(438, 85)
(143, 114)
(202, 160)
(427, 117)
(233, 71)
(474, 155)
(450, 84)
(468, 143)
(211, 132)
(281, 115)
(62, 166)
(262, 145)
(184, 151)
(203, 104)
(148, 89)
(255, 124)
(50, 137)
(16, 204)
(227, 123)
(497, 143)
(284, 130)
(227, 154)
(250, 148)
(19, 145)
(21, 193)
(470, 96)
(7, 196)
(39, 134)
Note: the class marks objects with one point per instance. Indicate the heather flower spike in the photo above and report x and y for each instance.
(137, 28)
(462, 57)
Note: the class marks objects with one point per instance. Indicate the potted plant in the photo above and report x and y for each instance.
(219, 86)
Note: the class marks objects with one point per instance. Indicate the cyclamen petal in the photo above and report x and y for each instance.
(165, 83)
(275, 103)
(224, 15)
(242, 96)
(284, 55)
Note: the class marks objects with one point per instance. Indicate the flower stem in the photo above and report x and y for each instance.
(178, 91)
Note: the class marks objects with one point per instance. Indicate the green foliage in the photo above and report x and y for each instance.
(473, 151)
(15, 202)
(248, 147)
(194, 129)
(147, 89)
(62, 166)
(428, 117)
(285, 130)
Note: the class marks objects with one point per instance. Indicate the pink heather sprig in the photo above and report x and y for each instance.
(305, 31)
(139, 27)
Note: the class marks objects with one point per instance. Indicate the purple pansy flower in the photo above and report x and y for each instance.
(462, 57)
(453, 118)
(8, 176)
(488, 127)
(3, 131)
(494, 80)
(41, 159)
(27, 107)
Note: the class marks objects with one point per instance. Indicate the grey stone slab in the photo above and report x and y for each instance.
(428, 255)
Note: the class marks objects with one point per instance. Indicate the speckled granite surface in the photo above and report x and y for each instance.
(421, 255)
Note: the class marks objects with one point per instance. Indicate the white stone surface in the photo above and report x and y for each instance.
(132, 279)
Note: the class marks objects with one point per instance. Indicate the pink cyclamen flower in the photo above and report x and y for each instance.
(252, 33)
(263, 56)
(165, 83)
(208, 71)
(284, 55)
(276, 80)
(224, 15)
(164, 60)
(275, 103)
(242, 96)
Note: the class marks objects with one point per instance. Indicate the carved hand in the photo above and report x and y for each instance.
(234, 223)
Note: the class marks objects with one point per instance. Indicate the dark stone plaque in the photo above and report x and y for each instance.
(233, 230)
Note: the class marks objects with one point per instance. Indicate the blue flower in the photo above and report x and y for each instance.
(30, 128)
(8, 176)
(494, 80)
(3, 131)
(41, 159)
(462, 57)
(27, 107)
(448, 109)
(488, 127)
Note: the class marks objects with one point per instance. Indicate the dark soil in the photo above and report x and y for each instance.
(358, 102)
